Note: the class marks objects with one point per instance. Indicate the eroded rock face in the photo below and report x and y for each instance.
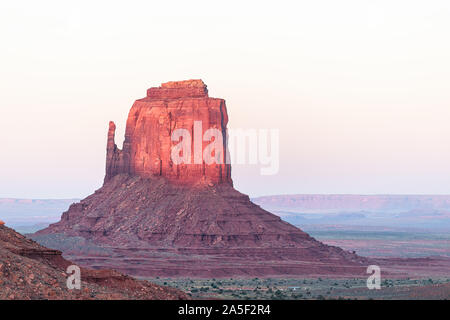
(151, 122)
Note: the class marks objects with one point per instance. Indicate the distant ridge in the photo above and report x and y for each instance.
(353, 202)
(18, 212)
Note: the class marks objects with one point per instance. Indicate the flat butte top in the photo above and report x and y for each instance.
(193, 83)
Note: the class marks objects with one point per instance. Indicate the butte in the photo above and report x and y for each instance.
(153, 217)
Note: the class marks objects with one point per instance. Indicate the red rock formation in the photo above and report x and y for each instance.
(151, 121)
(148, 203)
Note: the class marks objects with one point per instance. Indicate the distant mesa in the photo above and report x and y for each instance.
(150, 209)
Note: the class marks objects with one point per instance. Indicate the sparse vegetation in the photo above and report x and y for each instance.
(298, 289)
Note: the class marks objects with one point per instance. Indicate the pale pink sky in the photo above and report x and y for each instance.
(359, 89)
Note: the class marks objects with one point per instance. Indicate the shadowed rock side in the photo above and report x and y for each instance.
(191, 212)
(30, 271)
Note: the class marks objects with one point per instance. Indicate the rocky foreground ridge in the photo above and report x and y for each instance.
(159, 218)
(31, 271)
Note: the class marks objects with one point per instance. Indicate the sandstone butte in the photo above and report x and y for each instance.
(156, 218)
(151, 121)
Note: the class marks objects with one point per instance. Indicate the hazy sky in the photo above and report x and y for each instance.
(360, 90)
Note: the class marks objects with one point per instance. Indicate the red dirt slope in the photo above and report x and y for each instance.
(30, 271)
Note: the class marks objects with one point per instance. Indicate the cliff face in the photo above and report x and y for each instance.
(148, 138)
